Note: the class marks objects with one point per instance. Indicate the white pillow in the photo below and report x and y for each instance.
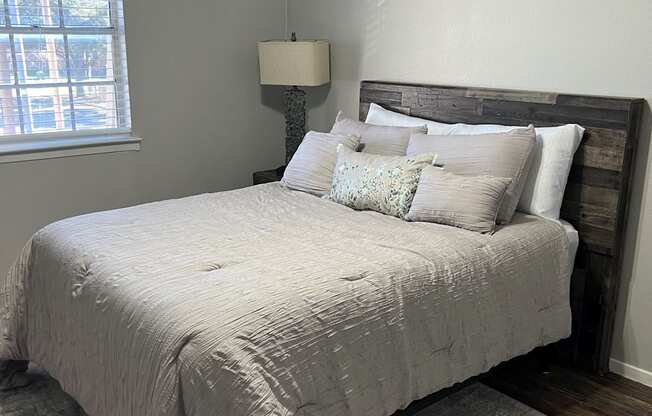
(379, 116)
(553, 157)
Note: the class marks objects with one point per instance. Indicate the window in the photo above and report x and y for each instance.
(62, 68)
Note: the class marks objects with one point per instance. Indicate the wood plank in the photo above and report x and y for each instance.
(596, 239)
(619, 104)
(592, 195)
(602, 148)
(373, 86)
(440, 90)
(596, 177)
(543, 114)
(386, 97)
(519, 96)
(599, 137)
(444, 103)
(410, 99)
(470, 116)
(593, 215)
(600, 157)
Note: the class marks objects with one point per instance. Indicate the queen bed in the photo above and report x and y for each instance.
(268, 301)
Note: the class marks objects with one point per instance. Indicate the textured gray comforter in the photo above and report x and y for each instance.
(265, 301)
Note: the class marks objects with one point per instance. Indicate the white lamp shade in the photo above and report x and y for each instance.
(301, 63)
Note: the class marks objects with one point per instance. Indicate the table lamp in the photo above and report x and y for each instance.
(294, 64)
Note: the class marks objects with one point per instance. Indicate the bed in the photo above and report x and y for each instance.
(267, 301)
(270, 301)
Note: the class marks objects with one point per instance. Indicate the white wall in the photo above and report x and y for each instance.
(579, 46)
(196, 101)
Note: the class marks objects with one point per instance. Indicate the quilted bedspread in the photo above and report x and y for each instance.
(265, 301)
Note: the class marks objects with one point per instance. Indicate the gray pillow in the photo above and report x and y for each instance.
(502, 155)
(311, 168)
(469, 202)
(385, 184)
(378, 140)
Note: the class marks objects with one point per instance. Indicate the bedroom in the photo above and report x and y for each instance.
(202, 123)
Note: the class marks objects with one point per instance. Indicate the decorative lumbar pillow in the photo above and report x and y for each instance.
(385, 184)
(552, 161)
(311, 168)
(469, 202)
(502, 155)
(379, 140)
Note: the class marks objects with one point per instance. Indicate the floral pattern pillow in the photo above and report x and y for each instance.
(385, 184)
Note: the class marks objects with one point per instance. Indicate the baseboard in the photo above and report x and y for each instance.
(629, 371)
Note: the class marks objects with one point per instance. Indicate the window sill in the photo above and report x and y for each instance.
(25, 150)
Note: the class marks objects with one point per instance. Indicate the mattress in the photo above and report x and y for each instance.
(265, 301)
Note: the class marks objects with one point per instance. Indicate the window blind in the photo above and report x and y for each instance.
(63, 68)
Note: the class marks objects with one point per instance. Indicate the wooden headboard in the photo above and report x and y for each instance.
(597, 196)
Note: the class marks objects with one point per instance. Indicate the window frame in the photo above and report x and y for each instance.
(119, 80)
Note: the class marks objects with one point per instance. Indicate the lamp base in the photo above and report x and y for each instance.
(295, 120)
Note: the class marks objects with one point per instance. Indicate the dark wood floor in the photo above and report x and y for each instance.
(558, 391)
(551, 389)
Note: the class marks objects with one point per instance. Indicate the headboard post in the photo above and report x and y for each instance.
(597, 196)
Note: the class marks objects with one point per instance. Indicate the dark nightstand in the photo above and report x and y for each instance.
(267, 176)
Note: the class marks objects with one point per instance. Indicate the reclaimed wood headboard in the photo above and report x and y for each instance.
(597, 196)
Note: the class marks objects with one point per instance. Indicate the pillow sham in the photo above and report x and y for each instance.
(553, 157)
(379, 140)
(552, 161)
(502, 155)
(311, 168)
(384, 184)
(468, 202)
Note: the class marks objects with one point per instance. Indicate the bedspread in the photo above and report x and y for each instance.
(266, 301)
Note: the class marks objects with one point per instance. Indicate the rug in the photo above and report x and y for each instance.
(477, 400)
(44, 397)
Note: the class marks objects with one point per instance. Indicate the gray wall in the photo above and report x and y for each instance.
(580, 46)
(208, 125)
(196, 102)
